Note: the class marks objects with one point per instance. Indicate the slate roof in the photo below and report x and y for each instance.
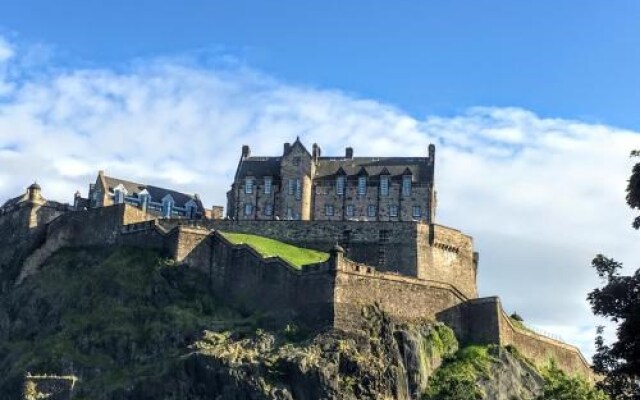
(14, 201)
(328, 167)
(156, 193)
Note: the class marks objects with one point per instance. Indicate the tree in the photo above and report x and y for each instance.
(619, 300)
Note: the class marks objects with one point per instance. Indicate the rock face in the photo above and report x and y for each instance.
(130, 325)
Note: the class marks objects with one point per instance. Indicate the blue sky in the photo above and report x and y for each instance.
(533, 106)
(570, 59)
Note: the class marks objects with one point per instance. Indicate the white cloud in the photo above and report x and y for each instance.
(541, 196)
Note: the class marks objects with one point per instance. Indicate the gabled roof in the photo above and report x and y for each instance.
(259, 167)
(157, 193)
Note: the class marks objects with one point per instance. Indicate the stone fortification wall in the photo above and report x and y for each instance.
(389, 246)
(254, 284)
(484, 321)
(430, 252)
(92, 227)
(447, 255)
(402, 297)
(22, 229)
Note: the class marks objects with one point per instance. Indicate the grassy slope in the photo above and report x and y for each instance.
(296, 256)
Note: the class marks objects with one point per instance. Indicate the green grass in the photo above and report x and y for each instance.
(295, 256)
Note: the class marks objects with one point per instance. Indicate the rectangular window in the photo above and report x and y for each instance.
(248, 185)
(406, 185)
(371, 210)
(417, 211)
(328, 210)
(340, 185)
(289, 213)
(267, 185)
(268, 209)
(384, 186)
(393, 211)
(292, 187)
(248, 209)
(362, 186)
(350, 210)
(298, 189)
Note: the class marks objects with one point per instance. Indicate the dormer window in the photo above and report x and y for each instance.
(190, 209)
(362, 185)
(406, 185)
(340, 180)
(119, 197)
(248, 185)
(144, 199)
(384, 185)
(167, 206)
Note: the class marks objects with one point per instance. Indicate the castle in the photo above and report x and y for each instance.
(409, 266)
(307, 186)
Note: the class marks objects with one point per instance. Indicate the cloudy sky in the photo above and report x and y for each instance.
(540, 192)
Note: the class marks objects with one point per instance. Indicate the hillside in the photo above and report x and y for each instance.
(132, 325)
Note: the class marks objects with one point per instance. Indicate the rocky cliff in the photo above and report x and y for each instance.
(124, 323)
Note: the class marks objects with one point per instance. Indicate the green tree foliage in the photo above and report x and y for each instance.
(633, 189)
(560, 386)
(619, 300)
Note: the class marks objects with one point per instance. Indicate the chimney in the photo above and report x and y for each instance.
(349, 152)
(316, 152)
(287, 146)
(246, 151)
(432, 151)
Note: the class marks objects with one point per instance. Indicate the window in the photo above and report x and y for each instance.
(291, 187)
(384, 186)
(328, 210)
(267, 185)
(248, 209)
(340, 185)
(167, 207)
(248, 185)
(350, 210)
(298, 190)
(417, 211)
(393, 211)
(371, 210)
(119, 197)
(406, 185)
(362, 186)
(289, 213)
(268, 209)
(144, 201)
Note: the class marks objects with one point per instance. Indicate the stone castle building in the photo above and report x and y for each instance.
(374, 217)
(155, 200)
(303, 185)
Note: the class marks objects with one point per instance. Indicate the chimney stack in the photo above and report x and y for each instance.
(349, 152)
(246, 151)
(316, 152)
(287, 146)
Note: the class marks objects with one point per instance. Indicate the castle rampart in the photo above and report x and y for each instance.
(426, 251)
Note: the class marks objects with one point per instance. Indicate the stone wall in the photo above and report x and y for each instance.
(388, 246)
(430, 252)
(403, 298)
(447, 255)
(483, 321)
(93, 227)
